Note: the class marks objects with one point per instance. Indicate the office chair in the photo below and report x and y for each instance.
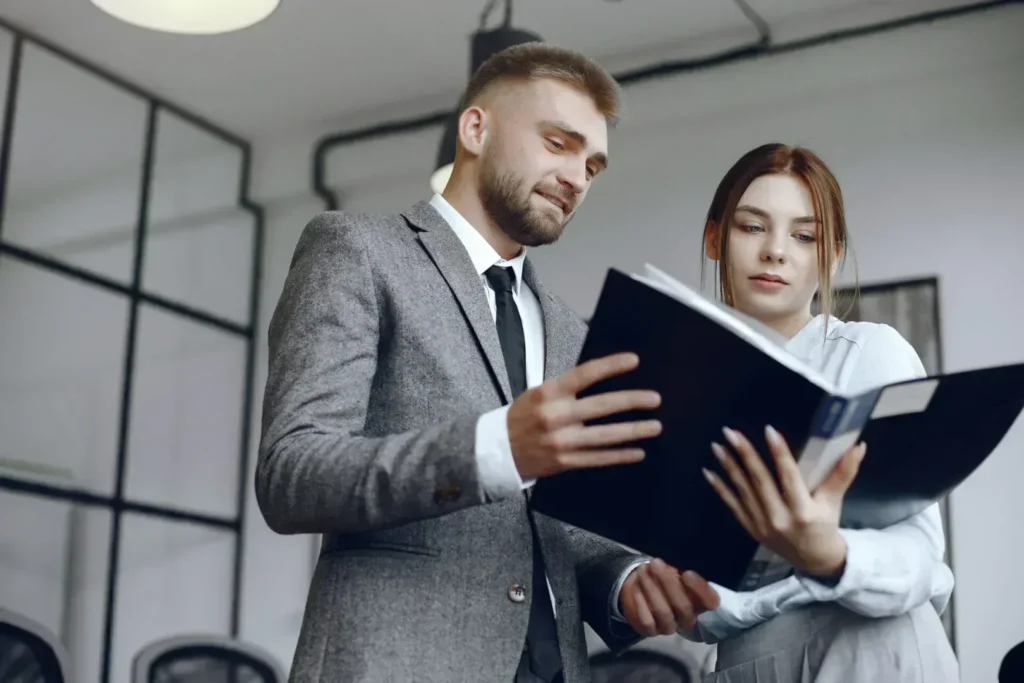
(29, 652)
(1011, 670)
(204, 659)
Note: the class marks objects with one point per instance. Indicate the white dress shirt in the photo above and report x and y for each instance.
(888, 571)
(498, 472)
(494, 453)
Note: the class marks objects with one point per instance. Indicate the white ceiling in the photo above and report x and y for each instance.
(315, 63)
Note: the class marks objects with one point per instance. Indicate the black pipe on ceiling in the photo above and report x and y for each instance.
(762, 47)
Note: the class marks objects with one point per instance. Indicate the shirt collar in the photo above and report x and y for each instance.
(481, 253)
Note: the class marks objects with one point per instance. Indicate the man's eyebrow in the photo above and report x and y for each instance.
(600, 158)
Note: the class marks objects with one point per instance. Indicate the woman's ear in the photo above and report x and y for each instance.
(712, 248)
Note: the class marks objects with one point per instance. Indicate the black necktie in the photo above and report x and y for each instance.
(541, 660)
(510, 327)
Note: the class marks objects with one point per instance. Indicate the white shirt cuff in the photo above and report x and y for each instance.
(614, 606)
(498, 474)
(859, 566)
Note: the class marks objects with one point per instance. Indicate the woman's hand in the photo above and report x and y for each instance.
(801, 526)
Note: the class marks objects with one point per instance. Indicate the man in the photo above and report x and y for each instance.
(421, 378)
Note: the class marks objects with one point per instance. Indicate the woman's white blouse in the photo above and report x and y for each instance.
(888, 571)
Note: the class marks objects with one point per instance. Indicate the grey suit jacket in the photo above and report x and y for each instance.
(383, 353)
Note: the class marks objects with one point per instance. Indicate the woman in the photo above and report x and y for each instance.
(861, 605)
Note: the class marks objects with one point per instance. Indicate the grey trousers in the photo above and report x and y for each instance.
(826, 643)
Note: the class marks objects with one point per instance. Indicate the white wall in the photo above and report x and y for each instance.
(925, 130)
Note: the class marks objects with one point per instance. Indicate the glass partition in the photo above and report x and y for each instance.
(129, 256)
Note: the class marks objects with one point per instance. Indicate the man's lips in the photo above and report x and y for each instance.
(561, 202)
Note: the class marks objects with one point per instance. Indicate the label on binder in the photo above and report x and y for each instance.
(901, 399)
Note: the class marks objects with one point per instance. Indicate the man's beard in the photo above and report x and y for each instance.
(505, 202)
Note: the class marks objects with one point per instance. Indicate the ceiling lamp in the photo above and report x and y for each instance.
(190, 16)
(484, 44)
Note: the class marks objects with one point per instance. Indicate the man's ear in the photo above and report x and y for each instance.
(473, 123)
(712, 248)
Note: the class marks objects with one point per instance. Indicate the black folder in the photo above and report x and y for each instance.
(714, 370)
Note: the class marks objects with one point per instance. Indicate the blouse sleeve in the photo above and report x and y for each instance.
(893, 570)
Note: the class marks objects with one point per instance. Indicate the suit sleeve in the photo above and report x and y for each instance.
(601, 566)
(316, 471)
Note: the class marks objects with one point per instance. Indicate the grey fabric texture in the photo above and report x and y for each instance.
(382, 354)
(826, 643)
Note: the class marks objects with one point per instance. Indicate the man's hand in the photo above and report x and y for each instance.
(546, 424)
(657, 600)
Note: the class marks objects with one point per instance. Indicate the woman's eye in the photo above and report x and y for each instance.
(752, 228)
(557, 144)
(805, 238)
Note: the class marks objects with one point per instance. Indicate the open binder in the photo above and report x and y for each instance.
(716, 368)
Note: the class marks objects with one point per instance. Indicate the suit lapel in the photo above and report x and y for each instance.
(560, 350)
(450, 256)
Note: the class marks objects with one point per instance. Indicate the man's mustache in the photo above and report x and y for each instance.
(566, 196)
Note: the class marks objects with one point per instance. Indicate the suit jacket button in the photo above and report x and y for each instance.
(516, 593)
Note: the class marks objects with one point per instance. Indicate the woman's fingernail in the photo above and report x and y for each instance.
(772, 436)
(730, 435)
(719, 452)
(707, 475)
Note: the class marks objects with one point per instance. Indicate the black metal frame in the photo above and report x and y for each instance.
(762, 47)
(117, 504)
(891, 285)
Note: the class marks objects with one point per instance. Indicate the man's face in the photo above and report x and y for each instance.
(546, 142)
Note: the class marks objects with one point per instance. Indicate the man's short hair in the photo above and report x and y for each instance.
(534, 60)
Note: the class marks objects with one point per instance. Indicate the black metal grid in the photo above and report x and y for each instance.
(117, 503)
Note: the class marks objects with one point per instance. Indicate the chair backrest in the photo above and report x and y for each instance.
(204, 659)
(29, 652)
(1011, 670)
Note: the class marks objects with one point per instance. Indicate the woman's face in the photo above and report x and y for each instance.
(773, 252)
